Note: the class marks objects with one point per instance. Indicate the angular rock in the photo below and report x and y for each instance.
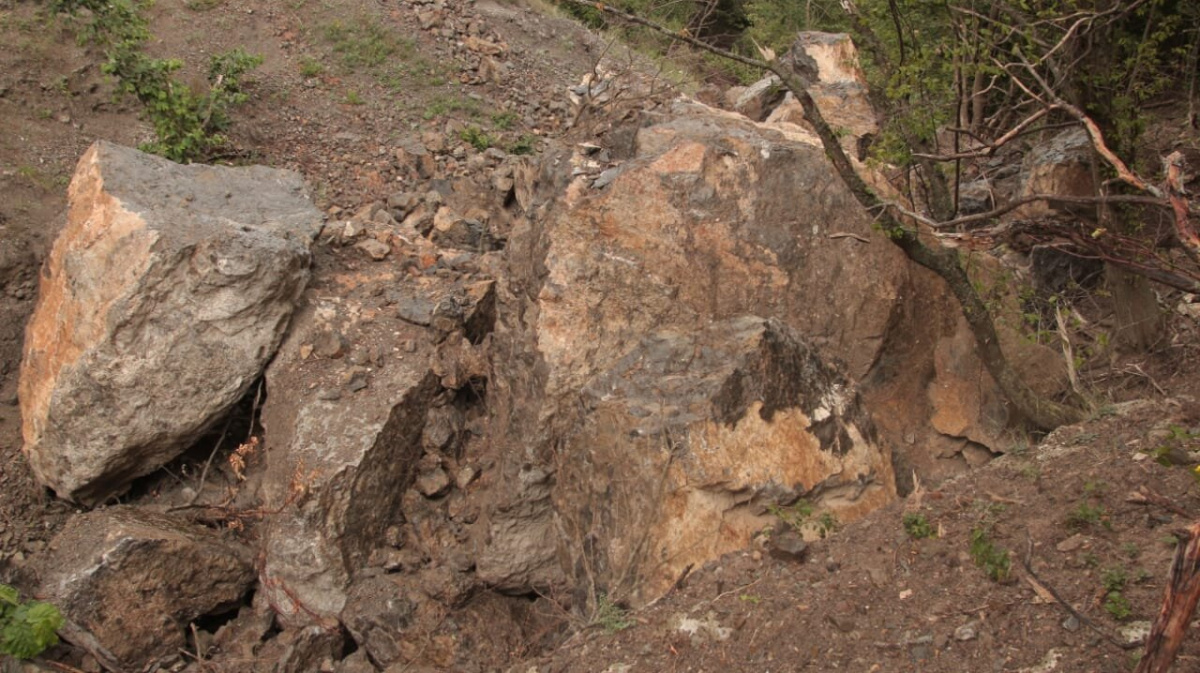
(130, 581)
(691, 435)
(759, 99)
(788, 545)
(338, 469)
(522, 540)
(163, 298)
(377, 612)
(1061, 166)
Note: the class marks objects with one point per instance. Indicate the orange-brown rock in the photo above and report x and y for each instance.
(164, 296)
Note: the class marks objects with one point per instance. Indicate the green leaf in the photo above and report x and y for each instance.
(9, 595)
(30, 630)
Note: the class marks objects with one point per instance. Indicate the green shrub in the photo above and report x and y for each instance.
(994, 560)
(610, 616)
(26, 628)
(917, 526)
(188, 125)
(476, 137)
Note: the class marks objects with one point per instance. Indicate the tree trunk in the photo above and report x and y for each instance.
(1138, 322)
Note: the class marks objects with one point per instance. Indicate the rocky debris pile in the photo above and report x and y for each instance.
(508, 94)
(162, 300)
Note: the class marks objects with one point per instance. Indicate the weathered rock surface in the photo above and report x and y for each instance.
(377, 613)
(164, 296)
(691, 438)
(130, 581)
(663, 421)
(345, 427)
(1062, 166)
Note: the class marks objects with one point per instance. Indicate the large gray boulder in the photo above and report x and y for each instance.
(163, 298)
(129, 582)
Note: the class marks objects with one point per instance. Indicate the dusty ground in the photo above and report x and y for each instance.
(870, 598)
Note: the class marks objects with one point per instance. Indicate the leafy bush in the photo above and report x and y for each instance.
(917, 526)
(610, 616)
(26, 628)
(188, 125)
(477, 138)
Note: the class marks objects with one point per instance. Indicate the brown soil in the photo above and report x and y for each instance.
(869, 598)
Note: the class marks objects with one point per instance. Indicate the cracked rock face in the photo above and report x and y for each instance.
(662, 384)
(163, 298)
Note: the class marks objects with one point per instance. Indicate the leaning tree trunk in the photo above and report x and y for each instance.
(1040, 412)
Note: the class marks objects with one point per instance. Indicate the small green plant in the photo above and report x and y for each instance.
(444, 105)
(826, 524)
(476, 137)
(188, 125)
(750, 598)
(310, 67)
(526, 144)
(361, 44)
(1131, 550)
(610, 616)
(26, 628)
(352, 98)
(918, 527)
(1086, 515)
(794, 515)
(994, 560)
(504, 120)
(1115, 603)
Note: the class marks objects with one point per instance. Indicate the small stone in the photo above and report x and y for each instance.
(305, 351)
(376, 250)
(357, 382)
(842, 623)
(605, 178)
(1072, 543)
(1071, 623)
(966, 632)
(329, 394)
(465, 476)
(788, 546)
(433, 482)
(329, 345)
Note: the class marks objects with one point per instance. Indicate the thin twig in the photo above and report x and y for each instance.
(1027, 562)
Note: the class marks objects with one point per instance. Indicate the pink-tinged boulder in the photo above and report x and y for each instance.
(166, 293)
